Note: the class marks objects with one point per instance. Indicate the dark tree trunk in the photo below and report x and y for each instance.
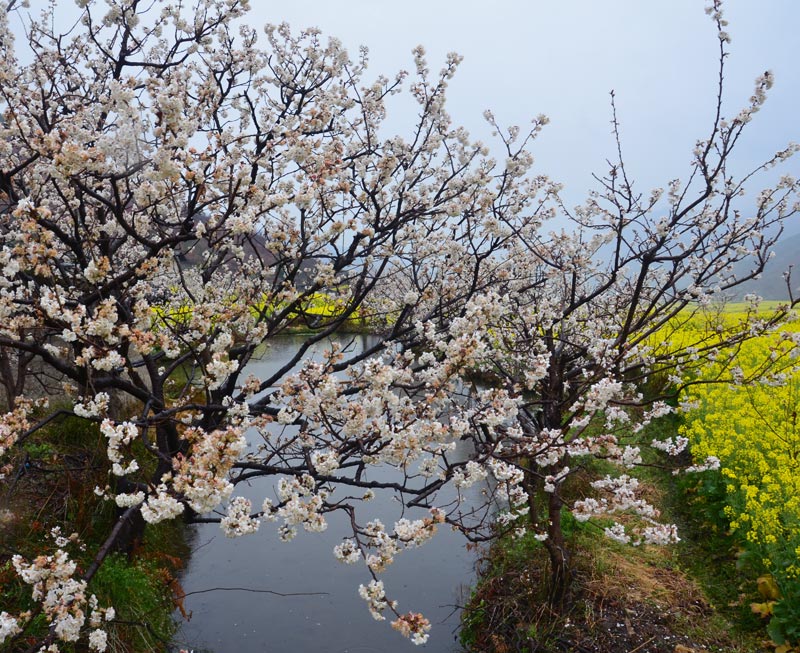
(13, 374)
(560, 557)
(131, 533)
(553, 395)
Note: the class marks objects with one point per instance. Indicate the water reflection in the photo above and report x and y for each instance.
(322, 611)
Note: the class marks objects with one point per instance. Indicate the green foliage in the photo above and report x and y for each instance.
(136, 589)
(710, 553)
(16, 595)
(573, 528)
(38, 450)
(472, 621)
(784, 627)
(75, 432)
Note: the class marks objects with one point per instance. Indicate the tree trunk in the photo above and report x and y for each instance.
(131, 533)
(560, 558)
(531, 485)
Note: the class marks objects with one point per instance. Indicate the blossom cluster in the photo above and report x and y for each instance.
(63, 599)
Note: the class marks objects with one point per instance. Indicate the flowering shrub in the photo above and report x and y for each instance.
(752, 428)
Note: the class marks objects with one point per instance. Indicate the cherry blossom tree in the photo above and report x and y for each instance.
(590, 332)
(175, 196)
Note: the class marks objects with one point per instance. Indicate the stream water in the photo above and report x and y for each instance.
(321, 610)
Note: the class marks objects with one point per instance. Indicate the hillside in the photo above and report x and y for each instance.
(771, 284)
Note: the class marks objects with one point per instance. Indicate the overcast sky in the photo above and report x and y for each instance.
(562, 57)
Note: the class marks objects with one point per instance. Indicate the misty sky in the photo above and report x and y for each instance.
(562, 57)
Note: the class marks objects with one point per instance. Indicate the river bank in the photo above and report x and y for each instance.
(48, 501)
(689, 597)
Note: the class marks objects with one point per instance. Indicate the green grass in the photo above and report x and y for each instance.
(143, 609)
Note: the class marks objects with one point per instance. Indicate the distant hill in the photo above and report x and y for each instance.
(772, 285)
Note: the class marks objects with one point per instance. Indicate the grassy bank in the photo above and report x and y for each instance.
(50, 494)
(690, 597)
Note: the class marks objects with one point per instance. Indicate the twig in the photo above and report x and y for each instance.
(633, 650)
(247, 589)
